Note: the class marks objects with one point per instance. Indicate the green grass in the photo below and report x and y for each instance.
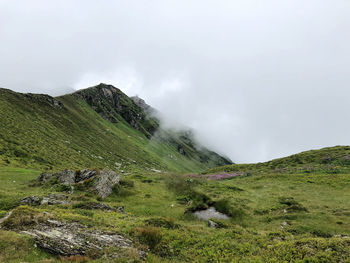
(318, 234)
(36, 134)
(293, 209)
(330, 160)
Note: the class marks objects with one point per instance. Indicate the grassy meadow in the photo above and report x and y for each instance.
(275, 217)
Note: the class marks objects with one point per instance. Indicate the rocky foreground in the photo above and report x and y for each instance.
(70, 238)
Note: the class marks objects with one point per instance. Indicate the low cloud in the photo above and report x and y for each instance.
(255, 80)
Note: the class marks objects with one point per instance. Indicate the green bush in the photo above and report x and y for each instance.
(126, 183)
(121, 191)
(149, 236)
(224, 206)
(162, 222)
(8, 203)
(292, 205)
(23, 217)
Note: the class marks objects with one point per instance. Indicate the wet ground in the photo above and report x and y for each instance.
(210, 213)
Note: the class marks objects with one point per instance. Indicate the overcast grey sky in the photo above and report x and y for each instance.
(255, 79)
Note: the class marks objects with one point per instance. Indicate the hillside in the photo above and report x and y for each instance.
(327, 160)
(95, 127)
(123, 209)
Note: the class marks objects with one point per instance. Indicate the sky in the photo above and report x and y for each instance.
(255, 80)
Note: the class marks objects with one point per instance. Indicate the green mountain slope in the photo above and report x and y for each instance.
(329, 160)
(95, 127)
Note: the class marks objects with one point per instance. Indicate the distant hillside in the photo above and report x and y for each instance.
(329, 160)
(95, 127)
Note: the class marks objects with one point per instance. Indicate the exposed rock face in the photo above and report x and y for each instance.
(84, 175)
(113, 105)
(56, 199)
(46, 99)
(103, 181)
(67, 239)
(73, 239)
(66, 177)
(31, 200)
(150, 111)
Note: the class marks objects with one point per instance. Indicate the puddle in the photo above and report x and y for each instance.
(210, 213)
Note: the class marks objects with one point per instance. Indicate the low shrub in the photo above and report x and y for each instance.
(150, 236)
(22, 217)
(127, 183)
(234, 211)
(147, 180)
(199, 201)
(184, 186)
(7, 203)
(84, 212)
(234, 188)
(75, 259)
(180, 184)
(63, 188)
(161, 222)
(121, 191)
(220, 223)
(85, 185)
(292, 205)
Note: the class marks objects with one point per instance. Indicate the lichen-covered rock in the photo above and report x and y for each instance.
(56, 199)
(99, 206)
(105, 183)
(51, 199)
(65, 238)
(69, 239)
(101, 182)
(66, 177)
(31, 200)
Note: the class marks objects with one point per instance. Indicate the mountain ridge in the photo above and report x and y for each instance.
(97, 126)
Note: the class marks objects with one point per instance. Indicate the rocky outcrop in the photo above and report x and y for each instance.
(84, 175)
(31, 200)
(66, 177)
(51, 199)
(100, 182)
(67, 239)
(105, 182)
(113, 105)
(99, 206)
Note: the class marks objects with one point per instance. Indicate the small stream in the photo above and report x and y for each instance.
(210, 213)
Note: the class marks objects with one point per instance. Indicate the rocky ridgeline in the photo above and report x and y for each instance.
(101, 182)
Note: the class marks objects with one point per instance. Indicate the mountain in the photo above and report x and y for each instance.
(292, 209)
(95, 127)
